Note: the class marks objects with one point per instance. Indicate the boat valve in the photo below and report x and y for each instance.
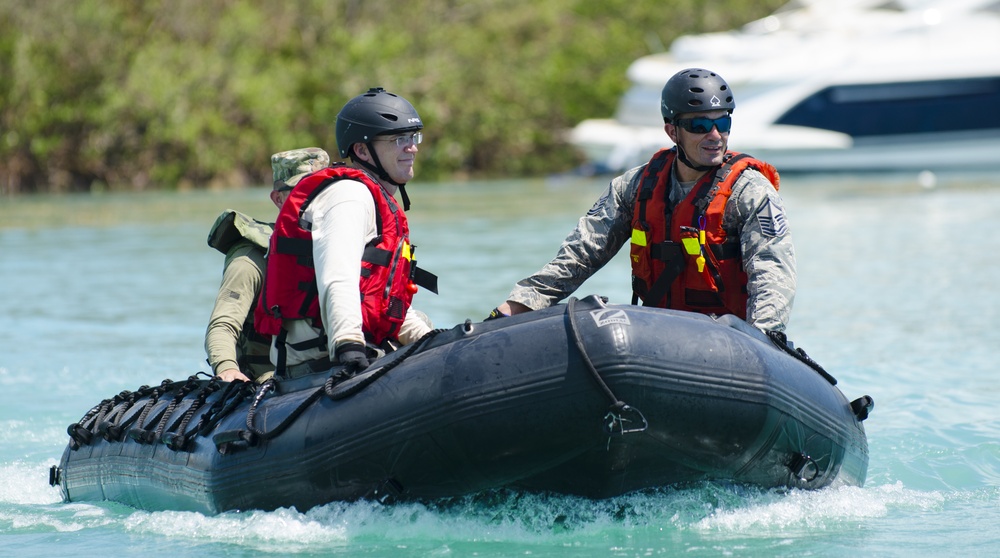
(55, 475)
(862, 407)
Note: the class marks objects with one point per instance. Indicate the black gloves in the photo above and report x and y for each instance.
(352, 356)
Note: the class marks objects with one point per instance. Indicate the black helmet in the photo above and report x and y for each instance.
(372, 114)
(695, 90)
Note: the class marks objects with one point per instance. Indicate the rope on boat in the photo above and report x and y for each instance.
(327, 390)
(111, 418)
(100, 419)
(262, 391)
(176, 438)
(370, 378)
(616, 416)
(234, 394)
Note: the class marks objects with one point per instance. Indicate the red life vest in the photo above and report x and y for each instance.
(682, 258)
(290, 292)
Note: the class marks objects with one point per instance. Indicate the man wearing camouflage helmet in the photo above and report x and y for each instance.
(340, 273)
(236, 351)
(706, 226)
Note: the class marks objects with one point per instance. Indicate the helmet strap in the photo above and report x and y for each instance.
(682, 157)
(376, 167)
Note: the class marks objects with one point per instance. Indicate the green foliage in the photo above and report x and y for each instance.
(198, 93)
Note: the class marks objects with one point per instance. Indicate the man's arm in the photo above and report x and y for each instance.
(343, 218)
(241, 279)
(598, 236)
(768, 254)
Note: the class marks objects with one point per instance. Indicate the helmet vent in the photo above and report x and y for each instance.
(390, 117)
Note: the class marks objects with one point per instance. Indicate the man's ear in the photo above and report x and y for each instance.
(361, 152)
(671, 131)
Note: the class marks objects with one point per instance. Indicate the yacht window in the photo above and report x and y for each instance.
(901, 108)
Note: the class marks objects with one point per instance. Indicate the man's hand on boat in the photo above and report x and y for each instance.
(506, 309)
(352, 356)
(232, 374)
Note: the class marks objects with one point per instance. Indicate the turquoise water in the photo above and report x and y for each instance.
(896, 298)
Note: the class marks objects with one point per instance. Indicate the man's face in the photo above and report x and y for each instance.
(397, 154)
(703, 148)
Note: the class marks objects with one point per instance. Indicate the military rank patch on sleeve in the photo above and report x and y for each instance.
(598, 205)
(772, 220)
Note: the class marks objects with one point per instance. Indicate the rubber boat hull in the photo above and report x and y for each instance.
(580, 398)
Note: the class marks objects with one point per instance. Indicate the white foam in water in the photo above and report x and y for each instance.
(282, 530)
(27, 484)
(810, 509)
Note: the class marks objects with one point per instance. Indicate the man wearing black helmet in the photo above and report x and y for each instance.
(340, 271)
(706, 227)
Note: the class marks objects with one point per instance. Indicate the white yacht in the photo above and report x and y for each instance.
(834, 85)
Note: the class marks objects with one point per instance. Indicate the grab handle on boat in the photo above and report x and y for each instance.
(234, 440)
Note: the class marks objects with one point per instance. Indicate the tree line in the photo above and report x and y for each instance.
(160, 94)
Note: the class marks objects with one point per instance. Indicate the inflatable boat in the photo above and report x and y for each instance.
(582, 398)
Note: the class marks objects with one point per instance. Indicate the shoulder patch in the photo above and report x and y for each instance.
(599, 204)
(772, 220)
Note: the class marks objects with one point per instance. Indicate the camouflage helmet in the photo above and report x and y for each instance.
(371, 114)
(290, 166)
(695, 90)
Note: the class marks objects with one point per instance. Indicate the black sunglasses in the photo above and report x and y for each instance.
(703, 125)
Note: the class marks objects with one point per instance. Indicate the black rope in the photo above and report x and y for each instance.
(339, 377)
(618, 407)
(234, 394)
(176, 437)
(327, 390)
(261, 393)
(184, 390)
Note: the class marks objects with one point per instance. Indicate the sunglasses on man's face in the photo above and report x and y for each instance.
(703, 125)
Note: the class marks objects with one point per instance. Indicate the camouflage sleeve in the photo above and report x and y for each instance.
(756, 211)
(598, 236)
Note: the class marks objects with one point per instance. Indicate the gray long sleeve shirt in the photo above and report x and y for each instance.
(754, 213)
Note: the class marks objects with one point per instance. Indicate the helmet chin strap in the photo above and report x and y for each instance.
(682, 157)
(376, 167)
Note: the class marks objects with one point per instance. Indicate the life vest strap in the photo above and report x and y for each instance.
(423, 278)
(672, 256)
(301, 247)
(728, 250)
(376, 256)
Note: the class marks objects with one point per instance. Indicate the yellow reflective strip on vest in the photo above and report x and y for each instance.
(691, 246)
(638, 237)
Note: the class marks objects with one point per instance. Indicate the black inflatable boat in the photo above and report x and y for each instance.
(581, 398)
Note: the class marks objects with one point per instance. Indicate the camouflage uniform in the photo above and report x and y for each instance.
(754, 213)
(230, 339)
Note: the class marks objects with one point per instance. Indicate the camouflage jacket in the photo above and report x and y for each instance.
(752, 213)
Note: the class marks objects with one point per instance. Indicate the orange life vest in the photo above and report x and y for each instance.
(682, 257)
(388, 272)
